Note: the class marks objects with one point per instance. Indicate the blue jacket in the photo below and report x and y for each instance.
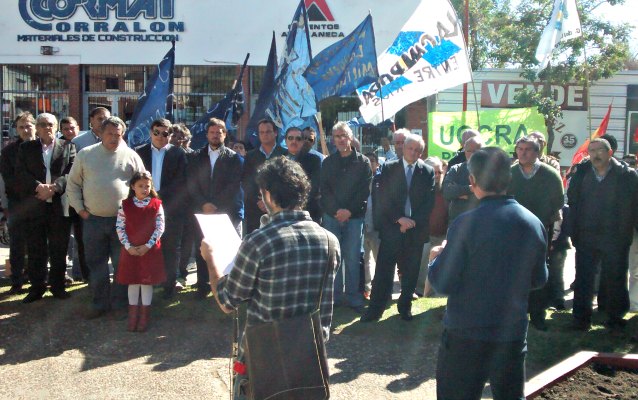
(494, 256)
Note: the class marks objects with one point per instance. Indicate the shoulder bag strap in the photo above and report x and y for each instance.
(331, 255)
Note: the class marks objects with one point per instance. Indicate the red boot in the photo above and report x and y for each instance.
(133, 313)
(142, 324)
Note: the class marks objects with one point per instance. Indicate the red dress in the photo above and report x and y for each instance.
(140, 225)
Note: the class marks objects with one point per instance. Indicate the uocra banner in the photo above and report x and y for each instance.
(499, 127)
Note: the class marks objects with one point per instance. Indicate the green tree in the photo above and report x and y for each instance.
(503, 34)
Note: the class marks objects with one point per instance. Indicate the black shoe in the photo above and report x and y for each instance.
(202, 293)
(580, 325)
(61, 294)
(405, 312)
(33, 296)
(617, 324)
(539, 324)
(371, 315)
(16, 289)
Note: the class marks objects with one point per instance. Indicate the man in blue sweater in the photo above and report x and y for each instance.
(495, 254)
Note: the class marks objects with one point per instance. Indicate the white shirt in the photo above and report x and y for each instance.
(157, 160)
(47, 154)
(213, 155)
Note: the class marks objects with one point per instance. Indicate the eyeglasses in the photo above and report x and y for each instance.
(296, 138)
(157, 133)
(46, 124)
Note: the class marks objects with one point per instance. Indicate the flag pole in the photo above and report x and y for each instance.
(322, 135)
(466, 25)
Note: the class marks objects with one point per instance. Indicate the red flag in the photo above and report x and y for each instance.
(582, 152)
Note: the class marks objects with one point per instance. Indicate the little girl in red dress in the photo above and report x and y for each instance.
(140, 223)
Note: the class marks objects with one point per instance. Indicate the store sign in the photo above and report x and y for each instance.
(322, 22)
(108, 20)
(501, 128)
(501, 94)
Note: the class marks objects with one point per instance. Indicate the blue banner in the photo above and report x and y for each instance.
(156, 102)
(266, 94)
(294, 101)
(346, 65)
(229, 110)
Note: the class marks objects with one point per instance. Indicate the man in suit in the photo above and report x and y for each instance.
(80, 271)
(268, 149)
(42, 167)
(215, 188)
(406, 198)
(92, 136)
(167, 165)
(25, 128)
(311, 164)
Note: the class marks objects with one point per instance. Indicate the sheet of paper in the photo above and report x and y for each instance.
(221, 234)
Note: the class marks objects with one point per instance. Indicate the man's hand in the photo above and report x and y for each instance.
(83, 214)
(44, 192)
(406, 224)
(133, 251)
(436, 250)
(262, 206)
(207, 252)
(343, 215)
(209, 208)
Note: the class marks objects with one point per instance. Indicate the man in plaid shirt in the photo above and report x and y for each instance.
(279, 267)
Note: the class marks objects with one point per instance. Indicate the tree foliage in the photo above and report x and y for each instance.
(505, 33)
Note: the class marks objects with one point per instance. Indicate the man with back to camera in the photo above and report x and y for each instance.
(485, 323)
(279, 267)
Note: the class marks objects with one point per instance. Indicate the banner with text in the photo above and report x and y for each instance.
(500, 128)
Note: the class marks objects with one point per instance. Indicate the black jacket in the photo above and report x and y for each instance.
(345, 183)
(173, 190)
(223, 189)
(32, 172)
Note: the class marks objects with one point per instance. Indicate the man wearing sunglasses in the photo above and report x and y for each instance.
(310, 137)
(167, 165)
(311, 164)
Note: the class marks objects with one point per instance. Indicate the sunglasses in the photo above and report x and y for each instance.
(296, 138)
(157, 133)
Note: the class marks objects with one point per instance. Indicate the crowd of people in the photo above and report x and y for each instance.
(387, 211)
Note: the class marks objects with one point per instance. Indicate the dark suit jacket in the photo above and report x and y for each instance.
(254, 159)
(311, 164)
(8, 160)
(173, 190)
(393, 194)
(223, 189)
(32, 172)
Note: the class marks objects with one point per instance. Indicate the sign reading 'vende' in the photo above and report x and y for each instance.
(500, 128)
(501, 94)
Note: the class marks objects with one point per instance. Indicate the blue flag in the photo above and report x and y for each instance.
(294, 101)
(266, 94)
(229, 110)
(346, 65)
(156, 102)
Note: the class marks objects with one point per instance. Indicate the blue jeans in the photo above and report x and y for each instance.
(350, 235)
(102, 242)
(465, 365)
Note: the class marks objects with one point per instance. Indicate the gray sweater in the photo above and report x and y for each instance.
(98, 180)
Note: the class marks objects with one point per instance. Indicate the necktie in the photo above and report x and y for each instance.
(408, 206)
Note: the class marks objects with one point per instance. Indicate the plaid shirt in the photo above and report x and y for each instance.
(278, 270)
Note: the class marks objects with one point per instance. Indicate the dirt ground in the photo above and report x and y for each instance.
(596, 382)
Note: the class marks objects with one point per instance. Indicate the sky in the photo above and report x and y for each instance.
(622, 13)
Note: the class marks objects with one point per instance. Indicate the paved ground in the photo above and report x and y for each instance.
(48, 351)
